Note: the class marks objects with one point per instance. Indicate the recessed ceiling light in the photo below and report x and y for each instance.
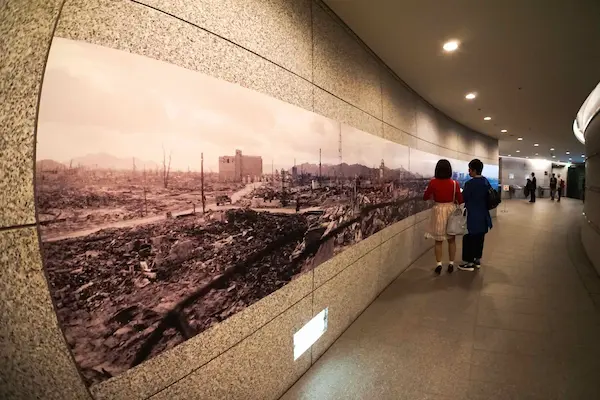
(535, 145)
(583, 155)
(537, 154)
(527, 157)
(503, 131)
(487, 118)
(518, 151)
(570, 159)
(553, 156)
(520, 138)
(470, 96)
(509, 155)
(451, 45)
(552, 149)
(568, 152)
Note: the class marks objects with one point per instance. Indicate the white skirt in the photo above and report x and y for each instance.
(439, 221)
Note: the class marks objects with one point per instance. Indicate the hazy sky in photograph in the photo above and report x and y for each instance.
(360, 147)
(100, 100)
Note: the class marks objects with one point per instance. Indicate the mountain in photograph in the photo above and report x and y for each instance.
(349, 170)
(107, 161)
(49, 165)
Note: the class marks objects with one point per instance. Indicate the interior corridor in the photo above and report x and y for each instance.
(525, 326)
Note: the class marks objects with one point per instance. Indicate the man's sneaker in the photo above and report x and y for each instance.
(466, 267)
(477, 264)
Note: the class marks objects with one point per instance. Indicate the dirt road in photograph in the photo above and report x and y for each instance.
(157, 218)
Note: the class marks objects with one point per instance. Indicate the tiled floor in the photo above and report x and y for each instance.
(524, 327)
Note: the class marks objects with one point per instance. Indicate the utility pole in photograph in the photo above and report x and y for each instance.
(202, 182)
(320, 176)
(145, 191)
(341, 172)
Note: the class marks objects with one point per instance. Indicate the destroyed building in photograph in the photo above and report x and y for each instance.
(240, 168)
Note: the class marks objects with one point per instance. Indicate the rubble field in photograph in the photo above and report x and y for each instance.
(73, 200)
(111, 288)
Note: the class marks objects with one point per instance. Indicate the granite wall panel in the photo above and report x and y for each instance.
(332, 107)
(35, 359)
(346, 295)
(278, 30)
(258, 368)
(26, 31)
(342, 66)
(399, 104)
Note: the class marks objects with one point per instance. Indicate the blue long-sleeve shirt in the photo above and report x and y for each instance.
(475, 195)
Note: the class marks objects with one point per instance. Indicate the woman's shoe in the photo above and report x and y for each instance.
(450, 268)
(438, 269)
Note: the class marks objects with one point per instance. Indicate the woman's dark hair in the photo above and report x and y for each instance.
(443, 169)
(476, 165)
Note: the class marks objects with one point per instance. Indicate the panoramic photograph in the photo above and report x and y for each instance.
(167, 206)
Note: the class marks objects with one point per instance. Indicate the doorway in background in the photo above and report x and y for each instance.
(575, 181)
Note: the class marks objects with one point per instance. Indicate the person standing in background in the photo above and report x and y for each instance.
(479, 221)
(445, 191)
(553, 185)
(533, 187)
(561, 187)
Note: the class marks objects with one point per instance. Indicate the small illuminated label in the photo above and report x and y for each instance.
(310, 333)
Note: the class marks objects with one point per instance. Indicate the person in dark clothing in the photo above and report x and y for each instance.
(553, 186)
(479, 221)
(561, 187)
(533, 187)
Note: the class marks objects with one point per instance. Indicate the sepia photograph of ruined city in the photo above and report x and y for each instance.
(167, 205)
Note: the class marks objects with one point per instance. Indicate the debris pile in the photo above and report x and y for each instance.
(112, 287)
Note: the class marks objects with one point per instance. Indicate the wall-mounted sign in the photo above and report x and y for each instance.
(506, 188)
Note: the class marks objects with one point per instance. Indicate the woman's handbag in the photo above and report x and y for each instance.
(457, 221)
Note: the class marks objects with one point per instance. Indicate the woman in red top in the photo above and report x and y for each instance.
(445, 191)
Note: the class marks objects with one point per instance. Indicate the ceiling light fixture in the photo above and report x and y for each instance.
(509, 155)
(520, 138)
(568, 152)
(570, 159)
(503, 131)
(537, 154)
(552, 149)
(487, 118)
(535, 145)
(518, 151)
(553, 156)
(451, 46)
(583, 156)
(470, 96)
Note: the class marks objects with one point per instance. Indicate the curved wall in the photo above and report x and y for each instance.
(590, 231)
(292, 50)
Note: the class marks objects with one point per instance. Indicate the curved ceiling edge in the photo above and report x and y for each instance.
(589, 109)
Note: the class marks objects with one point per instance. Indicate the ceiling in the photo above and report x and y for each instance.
(532, 63)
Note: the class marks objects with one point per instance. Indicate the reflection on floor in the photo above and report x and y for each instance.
(525, 326)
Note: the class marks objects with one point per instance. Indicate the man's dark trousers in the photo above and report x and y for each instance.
(472, 247)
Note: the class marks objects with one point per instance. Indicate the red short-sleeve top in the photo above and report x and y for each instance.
(441, 191)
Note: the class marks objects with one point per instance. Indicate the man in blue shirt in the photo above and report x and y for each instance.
(479, 221)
